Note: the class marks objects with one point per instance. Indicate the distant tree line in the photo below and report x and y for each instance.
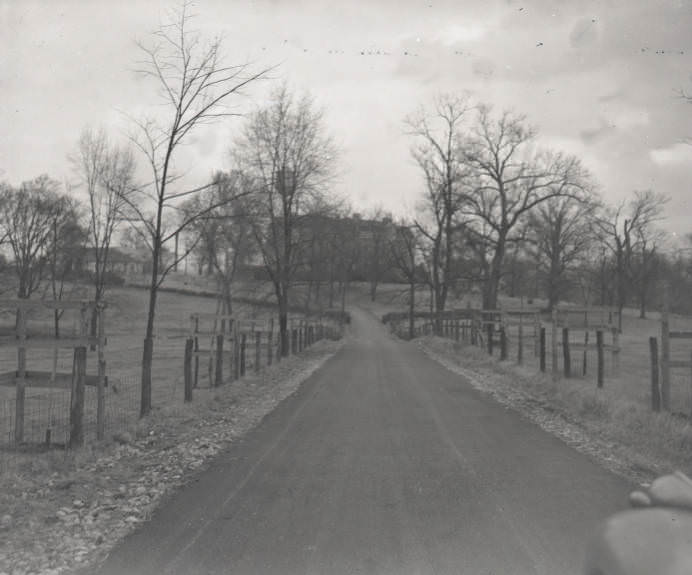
(501, 214)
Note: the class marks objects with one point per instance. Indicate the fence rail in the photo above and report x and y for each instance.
(54, 399)
(246, 350)
(515, 332)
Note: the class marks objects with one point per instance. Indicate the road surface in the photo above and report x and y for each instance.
(383, 462)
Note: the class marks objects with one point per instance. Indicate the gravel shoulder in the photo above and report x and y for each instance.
(533, 397)
(62, 515)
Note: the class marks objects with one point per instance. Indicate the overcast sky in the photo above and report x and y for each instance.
(597, 78)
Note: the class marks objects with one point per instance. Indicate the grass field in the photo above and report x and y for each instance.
(125, 322)
(631, 383)
(620, 412)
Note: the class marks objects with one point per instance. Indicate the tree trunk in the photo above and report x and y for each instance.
(411, 308)
(308, 297)
(492, 286)
(283, 320)
(440, 302)
(331, 291)
(642, 299)
(148, 351)
(283, 331)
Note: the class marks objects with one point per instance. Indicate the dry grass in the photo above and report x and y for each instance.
(619, 412)
(632, 382)
(125, 326)
(653, 443)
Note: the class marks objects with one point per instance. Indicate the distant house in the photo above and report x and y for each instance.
(123, 261)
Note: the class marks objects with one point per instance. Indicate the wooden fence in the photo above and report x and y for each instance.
(513, 332)
(662, 365)
(248, 345)
(21, 378)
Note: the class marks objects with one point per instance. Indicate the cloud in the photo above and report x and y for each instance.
(623, 118)
(454, 34)
(675, 155)
(591, 136)
(584, 33)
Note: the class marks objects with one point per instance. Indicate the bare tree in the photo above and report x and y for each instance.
(562, 230)
(645, 264)
(404, 253)
(196, 86)
(224, 233)
(511, 180)
(107, 174)
(316, 259)
(289, 160)
(626, 230)
(26, 217)
(438, 138)
(375, 236)
(65, 251)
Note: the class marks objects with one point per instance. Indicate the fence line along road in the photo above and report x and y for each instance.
(502, 329)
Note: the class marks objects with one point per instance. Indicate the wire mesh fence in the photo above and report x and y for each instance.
(47, 419)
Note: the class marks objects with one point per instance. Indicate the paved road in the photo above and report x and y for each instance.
(383, 463)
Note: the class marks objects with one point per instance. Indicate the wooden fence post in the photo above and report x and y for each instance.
(599, 356)
(615, 353)
(541, 348)
(218, 375)
(258, 351)
(689, 406)
(270, 347)
(665, 348)
(77, 397)
(294, 341)
(585, 354)
(20, 390)
(520, 340)
(231, 354)
(553, 345)
(566, 356)
(655, 391)
(503, 343)
(196, 331)
(489, 329)
(243, 345)
(187, 368)
(101, 383)
(236, 352)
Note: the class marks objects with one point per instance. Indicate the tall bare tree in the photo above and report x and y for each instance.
(196, 87)
(26, 217)
(376, 233)
(404, 253)
(224, 233)
(289, 160)
(562, 230)
(64, 252)
(438, 137)
(107, 174)
(511, 180)
(627, 230)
